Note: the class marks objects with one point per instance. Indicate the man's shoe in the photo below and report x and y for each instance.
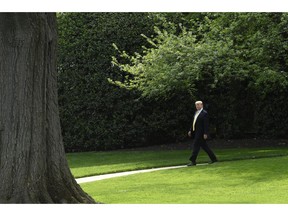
(211, 162)
(191, 164)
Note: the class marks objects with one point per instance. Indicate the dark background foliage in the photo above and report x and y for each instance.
(244, 86)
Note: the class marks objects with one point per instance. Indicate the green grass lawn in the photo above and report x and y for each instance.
(95, 163)
(242, 176)
(243, 181)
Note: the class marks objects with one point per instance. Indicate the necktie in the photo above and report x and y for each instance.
(195, 118)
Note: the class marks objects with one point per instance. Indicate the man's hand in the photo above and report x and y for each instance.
(189, 133)
(205, 136)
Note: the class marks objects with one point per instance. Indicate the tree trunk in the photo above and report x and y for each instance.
(33, 167)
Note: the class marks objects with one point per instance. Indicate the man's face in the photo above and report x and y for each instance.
(198, 106)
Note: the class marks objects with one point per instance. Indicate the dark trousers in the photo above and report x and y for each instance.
(196, 148)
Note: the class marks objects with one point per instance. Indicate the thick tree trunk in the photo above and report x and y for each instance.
(33, 167)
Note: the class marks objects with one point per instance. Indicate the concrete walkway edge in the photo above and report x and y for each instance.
(112, 175)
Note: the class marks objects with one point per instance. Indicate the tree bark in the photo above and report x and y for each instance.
(33, 167)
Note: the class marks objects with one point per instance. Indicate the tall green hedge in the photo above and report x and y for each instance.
(235, 62)
(94, 113)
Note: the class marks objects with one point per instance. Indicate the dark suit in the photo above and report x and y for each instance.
(201, 128)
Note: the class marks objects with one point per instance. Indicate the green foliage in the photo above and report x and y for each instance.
(271, 119)
(165, 69)
(225, 59)
(161, 63)
(94, 113)
(261, 41)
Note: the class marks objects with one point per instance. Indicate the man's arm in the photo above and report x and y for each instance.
(206, 125)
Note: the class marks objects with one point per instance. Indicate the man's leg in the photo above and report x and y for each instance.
(209, 151)
(195, 152)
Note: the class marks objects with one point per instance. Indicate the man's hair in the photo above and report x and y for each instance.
(198, 102)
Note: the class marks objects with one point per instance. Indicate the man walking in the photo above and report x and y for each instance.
(199, 131)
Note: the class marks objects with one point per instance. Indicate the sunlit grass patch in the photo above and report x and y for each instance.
(243, 181)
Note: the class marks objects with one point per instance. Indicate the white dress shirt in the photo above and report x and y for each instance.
(195, 118)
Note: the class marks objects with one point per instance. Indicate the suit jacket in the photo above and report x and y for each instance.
(201, 125)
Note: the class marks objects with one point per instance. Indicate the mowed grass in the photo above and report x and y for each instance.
(242, 176)
(95, 163)
(243, 181)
